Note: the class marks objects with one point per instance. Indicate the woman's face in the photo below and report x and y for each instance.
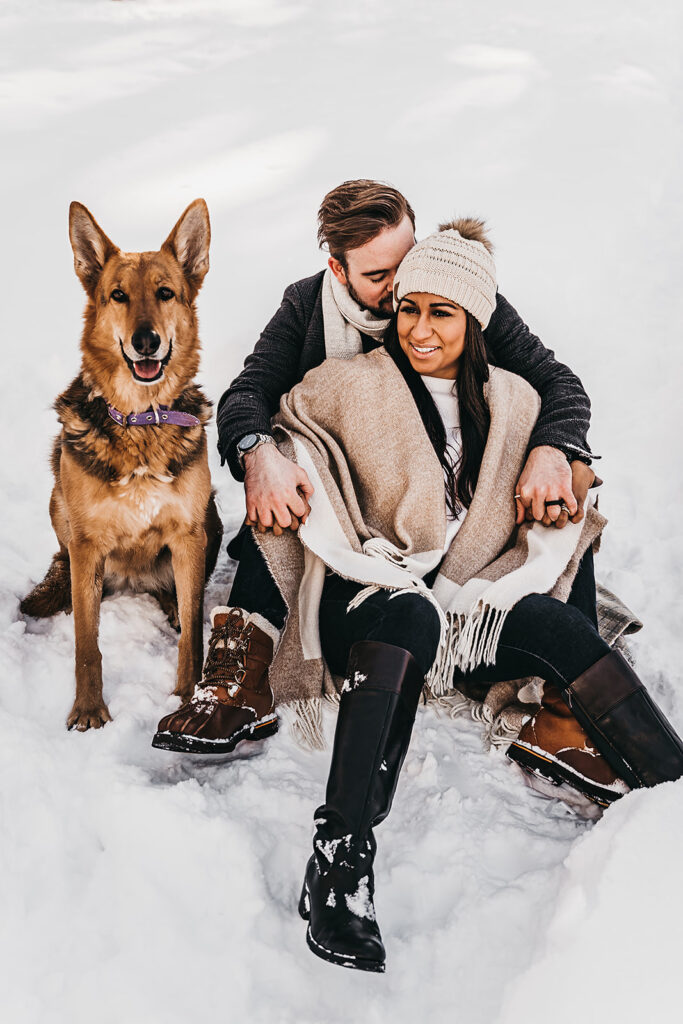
(431, 332)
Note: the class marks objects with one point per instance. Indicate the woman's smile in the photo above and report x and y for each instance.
(421, 351)
(431, 332)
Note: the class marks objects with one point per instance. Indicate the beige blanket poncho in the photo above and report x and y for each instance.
(378, 516)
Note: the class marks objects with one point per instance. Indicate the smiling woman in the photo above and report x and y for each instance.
(443, 345)
(407, 583)
(431, 331)
(439, 337)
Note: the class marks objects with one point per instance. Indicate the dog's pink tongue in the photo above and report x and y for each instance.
(147, 368)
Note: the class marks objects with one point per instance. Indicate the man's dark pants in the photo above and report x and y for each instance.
(254, 589)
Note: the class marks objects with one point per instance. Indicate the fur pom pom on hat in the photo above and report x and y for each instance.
(455, 262)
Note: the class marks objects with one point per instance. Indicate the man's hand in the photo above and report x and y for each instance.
(583, 479)
(276, 490)
(546, 476)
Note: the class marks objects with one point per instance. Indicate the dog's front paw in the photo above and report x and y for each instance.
(88, 716)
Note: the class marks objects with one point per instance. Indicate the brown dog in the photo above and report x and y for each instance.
(132, 503)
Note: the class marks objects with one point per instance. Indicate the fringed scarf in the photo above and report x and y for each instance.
(378, 516)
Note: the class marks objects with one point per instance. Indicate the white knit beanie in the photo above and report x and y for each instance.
(455, 263)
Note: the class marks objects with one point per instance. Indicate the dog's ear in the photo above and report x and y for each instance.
(91, 246)
(189, 242)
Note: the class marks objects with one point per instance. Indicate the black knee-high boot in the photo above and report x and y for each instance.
(376, 715)
(627, 727)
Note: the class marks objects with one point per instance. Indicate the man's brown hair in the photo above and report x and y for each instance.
(356, 211)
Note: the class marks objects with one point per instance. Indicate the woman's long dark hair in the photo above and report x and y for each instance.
(462, 474)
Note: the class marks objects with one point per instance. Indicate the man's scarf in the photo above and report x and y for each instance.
(378, 516)
(344, 321)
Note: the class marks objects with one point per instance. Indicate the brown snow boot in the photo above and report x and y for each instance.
(233, 701)
(553, 745)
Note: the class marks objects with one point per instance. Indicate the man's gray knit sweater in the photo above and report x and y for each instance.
(294, 342)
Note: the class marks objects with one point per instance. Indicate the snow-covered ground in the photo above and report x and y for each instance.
(139, 886)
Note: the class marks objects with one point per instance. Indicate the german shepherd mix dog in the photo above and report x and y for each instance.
(132, 503)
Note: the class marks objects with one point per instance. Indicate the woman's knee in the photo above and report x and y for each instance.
(556, 633)
(541, 613)
(409, 621)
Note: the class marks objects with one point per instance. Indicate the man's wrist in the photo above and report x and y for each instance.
(250, 443)
(250, 457)
(572, 453)
(577, 455)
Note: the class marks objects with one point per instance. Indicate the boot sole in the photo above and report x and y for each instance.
(183, 744)
(558, 773)
(355, 963)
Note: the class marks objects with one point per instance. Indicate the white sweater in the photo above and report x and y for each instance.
(446, 401)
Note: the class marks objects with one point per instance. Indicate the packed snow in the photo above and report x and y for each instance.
(144, 886)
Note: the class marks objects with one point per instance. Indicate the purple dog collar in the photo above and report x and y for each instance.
(154, 417)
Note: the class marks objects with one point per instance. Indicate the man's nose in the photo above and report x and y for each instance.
(145, 341)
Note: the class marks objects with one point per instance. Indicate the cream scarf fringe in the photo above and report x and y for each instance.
(472, 616)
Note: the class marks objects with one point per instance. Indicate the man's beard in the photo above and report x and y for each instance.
(378, 311)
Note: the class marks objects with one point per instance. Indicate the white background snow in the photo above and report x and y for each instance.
(139, 886)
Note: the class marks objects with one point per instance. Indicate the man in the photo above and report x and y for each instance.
(368, 228)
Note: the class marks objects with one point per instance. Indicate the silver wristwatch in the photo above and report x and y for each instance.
(249, 443)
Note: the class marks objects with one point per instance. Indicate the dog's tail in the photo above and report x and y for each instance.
(53, 594)
(214, 534)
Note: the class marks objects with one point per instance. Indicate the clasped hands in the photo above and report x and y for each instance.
(551, 490)
(278, 491)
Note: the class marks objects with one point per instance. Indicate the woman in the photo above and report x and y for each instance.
(417, 572)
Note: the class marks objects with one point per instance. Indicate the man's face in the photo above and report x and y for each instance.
(370, 269)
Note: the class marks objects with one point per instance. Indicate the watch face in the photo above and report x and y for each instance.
(247, 442)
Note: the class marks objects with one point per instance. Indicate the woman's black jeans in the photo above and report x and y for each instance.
(541, 636)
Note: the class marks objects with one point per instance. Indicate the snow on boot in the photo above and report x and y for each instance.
(233, 701)
(552, 744)
(337, 900)
(376, 714)
(624, 722)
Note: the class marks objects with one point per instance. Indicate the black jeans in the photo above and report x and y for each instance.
(541, 636)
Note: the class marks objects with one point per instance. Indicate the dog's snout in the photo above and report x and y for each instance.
(145, 341)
